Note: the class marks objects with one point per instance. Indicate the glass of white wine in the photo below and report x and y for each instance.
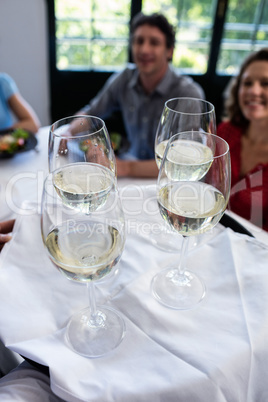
(193, 190)
(82, 161)
(85, 248)
(181, 115)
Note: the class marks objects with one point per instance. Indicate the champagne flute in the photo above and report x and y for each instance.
(82, 161)
(192, 196)
(86, 248)
(180, 115)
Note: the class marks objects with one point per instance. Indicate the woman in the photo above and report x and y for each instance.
(13, 104)
(246, 131)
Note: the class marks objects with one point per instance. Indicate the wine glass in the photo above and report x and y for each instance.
(81, 159)
(193, 190)
(82, 162)
(180, 115)
(80, 139)
(85, 247)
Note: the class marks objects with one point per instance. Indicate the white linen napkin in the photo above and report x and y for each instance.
(215, 352)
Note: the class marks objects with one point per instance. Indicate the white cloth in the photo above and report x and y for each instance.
(215, 352)
(22, 177)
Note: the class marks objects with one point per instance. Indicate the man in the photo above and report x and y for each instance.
(140, 92)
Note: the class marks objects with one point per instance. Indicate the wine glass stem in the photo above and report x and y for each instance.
(181, 267)
(96, 319)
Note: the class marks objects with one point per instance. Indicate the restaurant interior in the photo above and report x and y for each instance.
(178, 313)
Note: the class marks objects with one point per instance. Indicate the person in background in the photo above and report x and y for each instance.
(141, 90)
(26, 383)
(246, 131)
(7, 360)
(13, 104)
(6, 228)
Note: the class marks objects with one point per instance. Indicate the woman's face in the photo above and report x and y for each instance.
(253, 91)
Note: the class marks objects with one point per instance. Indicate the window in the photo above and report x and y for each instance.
(91, 34)
(245, 30)
(89, 41)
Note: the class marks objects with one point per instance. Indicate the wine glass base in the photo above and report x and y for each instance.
(95, 339)
(177, 293)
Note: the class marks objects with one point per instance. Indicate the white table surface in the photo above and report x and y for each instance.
(215, 352)
(22, 177)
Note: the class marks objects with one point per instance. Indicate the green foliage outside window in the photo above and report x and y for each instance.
(93, 34)
(246, 30)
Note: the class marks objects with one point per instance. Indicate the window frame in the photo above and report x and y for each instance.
(71, 90)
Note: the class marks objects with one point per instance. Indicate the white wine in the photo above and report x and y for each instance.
(85, 251)
(186, 159)
(159, 152)
(83, 186)
(191, 207)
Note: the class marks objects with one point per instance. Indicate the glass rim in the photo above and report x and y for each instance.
(192, 99)
(48, 184)
(208, 134)
(76, 117)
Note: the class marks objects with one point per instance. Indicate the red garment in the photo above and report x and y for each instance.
(249, 194)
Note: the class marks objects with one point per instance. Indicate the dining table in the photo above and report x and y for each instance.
(216, 351)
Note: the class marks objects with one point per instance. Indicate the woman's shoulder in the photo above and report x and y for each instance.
(8, 85)
(4, 77)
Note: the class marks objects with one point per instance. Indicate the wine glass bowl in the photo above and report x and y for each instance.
(82, 161)
(80, 139)
(85, 247)
(181, 115)
(192, 203)
(83, 186)
(190, 156)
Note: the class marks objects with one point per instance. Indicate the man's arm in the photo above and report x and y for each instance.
(137, 168)
(26, 116)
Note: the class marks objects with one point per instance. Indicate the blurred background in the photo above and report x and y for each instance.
(60, 52)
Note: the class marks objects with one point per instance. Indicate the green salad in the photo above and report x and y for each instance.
(14, 141)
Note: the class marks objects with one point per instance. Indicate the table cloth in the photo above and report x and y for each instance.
(214, 352)
(22, 176)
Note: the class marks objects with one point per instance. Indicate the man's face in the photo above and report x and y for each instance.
(149, 50)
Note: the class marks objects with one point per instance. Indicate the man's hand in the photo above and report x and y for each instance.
(137, 168)
(123, 168)
(5, 228)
